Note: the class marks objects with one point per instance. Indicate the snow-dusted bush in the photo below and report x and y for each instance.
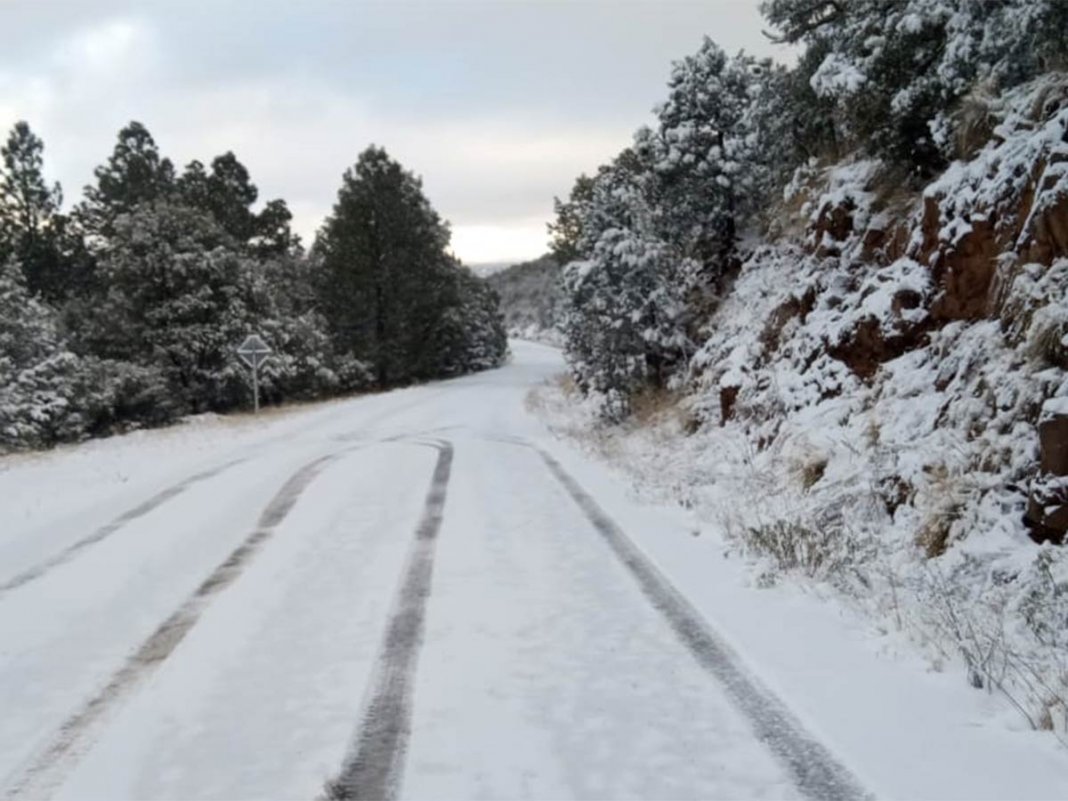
(49, 394)
(897, 70)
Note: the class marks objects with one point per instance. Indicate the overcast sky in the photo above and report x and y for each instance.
(497, 104)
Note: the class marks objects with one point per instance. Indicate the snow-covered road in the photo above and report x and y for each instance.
(404, 594)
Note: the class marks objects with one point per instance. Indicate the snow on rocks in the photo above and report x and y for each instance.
(878, 409)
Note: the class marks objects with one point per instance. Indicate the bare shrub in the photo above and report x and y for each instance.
(1031, 672)
(811, 471)
(792, 546)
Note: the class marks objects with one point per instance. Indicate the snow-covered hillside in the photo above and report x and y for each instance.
(531, 295)
(878, 403)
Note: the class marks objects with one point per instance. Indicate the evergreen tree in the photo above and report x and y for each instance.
(470, 331)
(36, 370)
(228, 194)
(48, 394)
(306, 362)
(565, 231)
(703, 163)
(32, 230)
(384, 273)
(135, 173)
(274, 236)
(193, 186)
(178, 295)
(624, 319)
(895, 69)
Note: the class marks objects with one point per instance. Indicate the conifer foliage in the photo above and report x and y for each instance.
(128, 312)
(388, 287)
(653, 240)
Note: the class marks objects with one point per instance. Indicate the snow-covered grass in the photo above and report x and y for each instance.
(907, 500)
(845, 647)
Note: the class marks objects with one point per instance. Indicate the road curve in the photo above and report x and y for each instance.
(266, 627)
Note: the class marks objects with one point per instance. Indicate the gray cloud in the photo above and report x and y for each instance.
(499, 105)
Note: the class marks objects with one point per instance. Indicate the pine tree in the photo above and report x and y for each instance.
(381, 255)
(565, 231)
(470, 331)
(624, 318)
(228, 194)
(274, 237)
(703, 166)
(32, 230)
(135, 173)
(177, 294)
(895, 69)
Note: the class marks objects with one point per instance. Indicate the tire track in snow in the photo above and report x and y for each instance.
(50, 766)
(375, 765)
(65, 555)
(105, 531)
(816, 772)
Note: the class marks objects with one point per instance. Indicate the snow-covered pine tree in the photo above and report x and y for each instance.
(176, 293)
(657, 230)
(228, 194)
(704, 169)
(623, 316)
(565, 231)
(274, 236)
(384, 275)
(32, 230)
(48, 394)
(895, 69)
(305, 363)
(135, 173)
(470, 333)
(35, 369)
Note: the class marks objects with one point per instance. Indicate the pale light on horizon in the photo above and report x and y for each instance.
(494, 244)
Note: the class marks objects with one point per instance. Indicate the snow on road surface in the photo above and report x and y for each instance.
(422, 594)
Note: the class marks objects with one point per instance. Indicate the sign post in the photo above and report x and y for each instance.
(254, 352)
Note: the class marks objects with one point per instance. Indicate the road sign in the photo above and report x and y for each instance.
(254, 352)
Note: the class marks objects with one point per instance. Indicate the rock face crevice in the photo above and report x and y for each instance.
(1047, 506)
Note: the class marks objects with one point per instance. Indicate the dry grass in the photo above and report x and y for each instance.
(974, 120)
(539, 399)
(1045, 340)
(792, 546)
(892, 194)
(942, 500)
(556, 402)
(654, 406)
(933, 536)
(1052, 97)
(277, 411)
(787, 218)
(811, 472)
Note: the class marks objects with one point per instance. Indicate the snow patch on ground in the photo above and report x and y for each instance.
(878, 686)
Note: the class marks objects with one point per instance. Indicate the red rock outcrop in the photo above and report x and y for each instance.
(1047, 508)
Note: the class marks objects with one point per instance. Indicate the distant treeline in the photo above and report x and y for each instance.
(126, 311)
(532, 295)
